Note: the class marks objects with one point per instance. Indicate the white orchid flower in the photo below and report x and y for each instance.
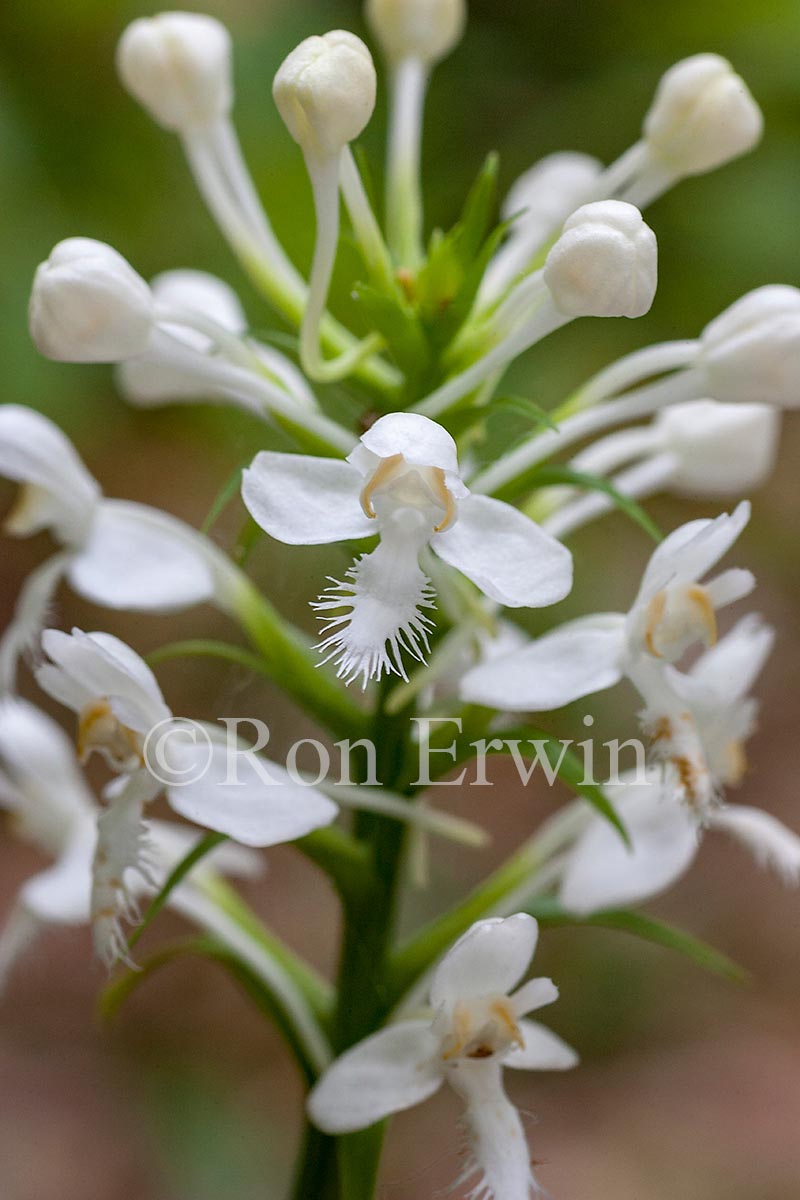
(665, 832)
(52, 807)
(477, 1026)
(181, 363)
(209, 778)
(117, 553)
(401, 482)
(672, 611)
(123, 717)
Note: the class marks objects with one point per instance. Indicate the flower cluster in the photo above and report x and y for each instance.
(444, 543)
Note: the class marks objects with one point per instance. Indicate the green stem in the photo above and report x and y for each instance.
(289, 661)
(368, 915)
(518, 873)
(318, 1176)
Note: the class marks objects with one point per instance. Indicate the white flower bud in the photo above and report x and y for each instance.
(720, 449)
(702, 116)
(325, 92)
(751, 352)
(89, 305)
(549, 191)
(605, 264)
(178, 66)
(422, 29)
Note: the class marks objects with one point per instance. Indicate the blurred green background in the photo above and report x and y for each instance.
(689, 1087)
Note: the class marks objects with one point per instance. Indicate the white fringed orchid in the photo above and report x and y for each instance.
(664, 830)
(672, 611)
(51, 807)
(116, 553)
(123, 717)
(208, 778)
(402, 482)
(477, 1025)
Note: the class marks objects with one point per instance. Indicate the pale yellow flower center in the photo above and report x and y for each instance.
(676, 617)
(482, 1027)
(413, 485)
(99, 730)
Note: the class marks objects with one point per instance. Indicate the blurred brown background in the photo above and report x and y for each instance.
(690, 1087)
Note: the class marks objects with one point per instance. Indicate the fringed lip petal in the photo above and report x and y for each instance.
(305, 501)
(386, 1073)
(492, 956)
(505, 554)
(500, 1166)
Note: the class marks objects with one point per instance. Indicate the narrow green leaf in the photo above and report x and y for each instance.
(176, 876)
(479, 208)
(549, 912)
(226, 493)
(447, 283)
(546, 476)
(123, 985)
(120, 989)
(596, 483)
(205, 648)
(522, 406)
(564, 763)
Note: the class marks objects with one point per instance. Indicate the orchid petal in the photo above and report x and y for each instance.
(305, 501)
(85, 667)
(535, 994)
(602, 872)
(492, 956)
(139, 558)
(543, 1050)
(31, 613)
(34, 452)
(730, 586)
(242, 794)
(577, 659)
(500, 1163)
(506, 554)
(732, 666)
(690, 551)
(421, 441)
(770, 842)
(200, 292)
(60, 894)
(386, 1073)
(46, 786)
